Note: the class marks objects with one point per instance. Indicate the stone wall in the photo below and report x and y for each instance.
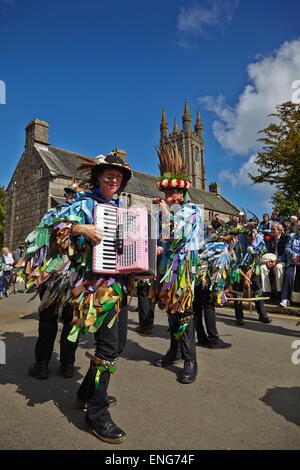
(27, 199)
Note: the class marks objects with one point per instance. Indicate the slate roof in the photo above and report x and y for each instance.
(64, 163)
(61, 162)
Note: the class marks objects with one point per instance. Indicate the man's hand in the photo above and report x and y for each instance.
(90, 231)
(248, 277)
(233, 241)
(159, 250)
(162, 205)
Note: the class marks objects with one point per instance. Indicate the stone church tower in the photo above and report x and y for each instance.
(189, 142)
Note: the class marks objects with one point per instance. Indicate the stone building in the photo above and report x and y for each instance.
(43, 172)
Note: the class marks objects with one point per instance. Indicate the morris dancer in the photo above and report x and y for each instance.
(246, 270)
(59, 252)
(177, 261)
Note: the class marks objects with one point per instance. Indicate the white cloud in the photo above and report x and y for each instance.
(271, 83)
(198, 19)
(240, 179)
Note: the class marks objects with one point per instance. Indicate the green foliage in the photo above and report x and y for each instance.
(283, 206)
(2, 213)
(279, 161)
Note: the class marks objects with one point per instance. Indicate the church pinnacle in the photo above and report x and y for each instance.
(198, 125)
(164, 127)
(175, 129)
(186, 118)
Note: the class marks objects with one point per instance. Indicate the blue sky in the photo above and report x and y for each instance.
(100, 73)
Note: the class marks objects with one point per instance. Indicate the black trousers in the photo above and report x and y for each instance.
(256, 286)
(145, 306)
(109, 343)
(184, 346)
(204, 303)
(7, 279)
(48, 326)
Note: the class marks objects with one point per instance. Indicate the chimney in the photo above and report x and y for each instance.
(36, 132)
(215, 188)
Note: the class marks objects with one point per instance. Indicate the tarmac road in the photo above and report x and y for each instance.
(245, 398)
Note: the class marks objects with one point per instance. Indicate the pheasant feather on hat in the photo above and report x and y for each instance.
(172, 169)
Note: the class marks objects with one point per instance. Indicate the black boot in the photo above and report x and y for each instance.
(189, 372)
(39, 370)
(262, 315)
(188, 349)
(107, 432)
(264, 318)
(172, 357)
(67, 370)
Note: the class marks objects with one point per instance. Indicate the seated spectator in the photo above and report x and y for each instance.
(217, 222)
(292, 230)
(275, 217)
(292, 251)
(275, 245)
(265, 227)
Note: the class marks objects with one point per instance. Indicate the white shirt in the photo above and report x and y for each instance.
(9, 262)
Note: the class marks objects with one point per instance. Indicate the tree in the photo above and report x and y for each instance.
(2, 213)
(283, 206)
(279, 161)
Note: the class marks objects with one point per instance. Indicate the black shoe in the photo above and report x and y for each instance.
(107, 432)
(264, 319)
(204, 343)
(39, 370)
(146, 330)
(168, 360)
(239, 321)
(219, 344)
(189, 372)
(67, 370)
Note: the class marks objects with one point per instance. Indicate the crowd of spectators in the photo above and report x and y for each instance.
(281, 263)
(283, 242)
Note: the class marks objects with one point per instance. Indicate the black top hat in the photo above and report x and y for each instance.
(69, 190)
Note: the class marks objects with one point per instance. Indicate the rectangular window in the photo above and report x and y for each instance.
(40, 173)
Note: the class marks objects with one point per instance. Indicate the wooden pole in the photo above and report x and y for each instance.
(252, 299)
